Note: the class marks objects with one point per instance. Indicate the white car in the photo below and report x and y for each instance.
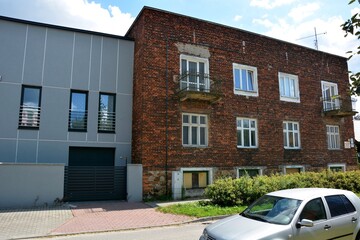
(302, 213)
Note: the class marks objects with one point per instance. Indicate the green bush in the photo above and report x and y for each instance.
(244, 190)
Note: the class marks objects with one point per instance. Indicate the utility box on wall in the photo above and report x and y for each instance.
(177, 180)
(30, 185)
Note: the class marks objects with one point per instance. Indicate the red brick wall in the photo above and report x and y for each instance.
(225, 45)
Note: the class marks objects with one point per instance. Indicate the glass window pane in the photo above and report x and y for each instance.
(291, 139)
(237, 78)
(185, 135)
(183, 66)
(185, 118)
(202, 120)
(243, 80)
(78, 101)
(187, 180)
(252, 124)
(250, 80)
(202, 136)
(246, 123)
(202, 179)
(290, 126)
(239, 137)
(194, 119)
(253, 139)
(194, 135)
(285, 139)
(246, 138)
(31, 97)
(239, 123)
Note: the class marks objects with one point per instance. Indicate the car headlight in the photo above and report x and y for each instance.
(204, 235)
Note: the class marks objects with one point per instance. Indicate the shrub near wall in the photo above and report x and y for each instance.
(244, 190)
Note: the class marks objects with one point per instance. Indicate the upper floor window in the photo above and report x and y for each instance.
(29, 116)
(333, 137)
(289, 87)
(245, 80)
(194, 130)
(194, 74)
(106, 121)
(246, 133)
(291, 135)
(330, 96)
(78, 111)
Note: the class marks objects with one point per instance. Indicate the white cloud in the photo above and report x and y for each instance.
(83, 14)
(270, 4)
(303, 11)
(237, 18)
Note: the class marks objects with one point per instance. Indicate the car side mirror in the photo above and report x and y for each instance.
(305, 222)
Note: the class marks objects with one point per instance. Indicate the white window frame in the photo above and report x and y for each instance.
(333, 137)
(337, 165)
(198, 87)
(292, 133)
(293, 88)
(330, 96)
(250, 129)
(198, 127)
(259, 169)
(238, 88)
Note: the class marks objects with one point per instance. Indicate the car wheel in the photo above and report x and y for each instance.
(358, 236)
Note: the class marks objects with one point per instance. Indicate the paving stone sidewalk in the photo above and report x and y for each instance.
(82, 217)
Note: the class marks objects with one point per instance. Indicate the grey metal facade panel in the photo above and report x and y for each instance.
(12, 44)
(9, 105)
(95, 63)
(81, 62)
(126, 66)
(53, 152)
(34, 55)
(27, 151)
(7, 150)
(28, 134)
(108, 68)
(58, 58)
(54, 113)
(124, 118)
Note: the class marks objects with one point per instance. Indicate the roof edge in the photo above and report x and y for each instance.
(47, 25)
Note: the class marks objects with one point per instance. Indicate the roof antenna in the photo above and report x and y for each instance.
(316, 39)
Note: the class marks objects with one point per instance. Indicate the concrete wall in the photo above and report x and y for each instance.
(22, 185)
(60, 60)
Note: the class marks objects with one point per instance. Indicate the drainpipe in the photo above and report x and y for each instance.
(167, 117)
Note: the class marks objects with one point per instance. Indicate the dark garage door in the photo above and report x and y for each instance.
(91, 175)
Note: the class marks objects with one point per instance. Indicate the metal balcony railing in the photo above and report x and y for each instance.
(338, 106)
(78, 120)
(29, 116)
(198, 86)
(106, 121)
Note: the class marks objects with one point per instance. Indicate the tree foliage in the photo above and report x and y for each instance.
(352, 26)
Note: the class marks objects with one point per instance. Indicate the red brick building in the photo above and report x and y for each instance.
(212, 100)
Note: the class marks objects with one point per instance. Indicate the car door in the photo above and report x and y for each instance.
(315, 211)
(343, 216)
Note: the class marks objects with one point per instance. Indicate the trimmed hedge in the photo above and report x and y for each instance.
(245, 190)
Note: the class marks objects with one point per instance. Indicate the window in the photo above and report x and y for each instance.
(251, 172)
(195, 180)
(293, 169)
(339, 205)
(330, 96)
(289, 87)
(291, 135)
(314, 210)
(245, 80)
(194, 130)
(333, 137)
(194, 74)
(246, 133)
(29, 116)
(106, 113)
(78, 111)
(341, 167)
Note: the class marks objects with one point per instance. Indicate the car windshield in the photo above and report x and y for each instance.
(272, 209)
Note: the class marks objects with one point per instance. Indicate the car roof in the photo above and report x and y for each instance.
(307, 193)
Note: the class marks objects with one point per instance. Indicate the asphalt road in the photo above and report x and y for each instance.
(190, 231)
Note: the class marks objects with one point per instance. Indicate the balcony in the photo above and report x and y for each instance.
(29, 116)
(336, 106)
(200, 87)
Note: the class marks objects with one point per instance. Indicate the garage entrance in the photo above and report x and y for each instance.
(91, 175)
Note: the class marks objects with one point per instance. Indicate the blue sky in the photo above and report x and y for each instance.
(287, 20)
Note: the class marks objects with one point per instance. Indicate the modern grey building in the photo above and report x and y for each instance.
(65, 97)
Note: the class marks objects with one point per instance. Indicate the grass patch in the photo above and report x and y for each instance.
(201, 209)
